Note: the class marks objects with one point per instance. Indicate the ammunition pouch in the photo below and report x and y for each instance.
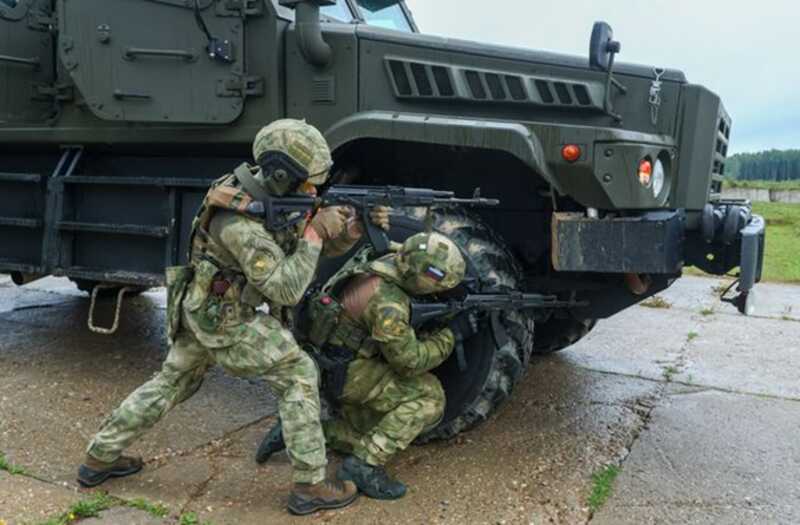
(324, 312)
(178, 279)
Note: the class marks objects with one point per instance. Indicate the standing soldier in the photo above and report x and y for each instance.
(237, 263)
(386, 393)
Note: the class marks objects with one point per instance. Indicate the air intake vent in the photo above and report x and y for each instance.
(582, 94)
(495, 87)
(400, 78)
(421, 78)
(544, 92)
(475, 84)
(563, 93)
(323, 89)
(720, 153)
(443, 82)
(515, 88)
(417, 79)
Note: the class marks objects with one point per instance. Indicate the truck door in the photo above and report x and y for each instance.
(167, 61)
(27, 68)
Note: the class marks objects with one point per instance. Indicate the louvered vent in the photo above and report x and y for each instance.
(720, 152)
(443, 82)
(545, 93)
(515, 88)
(323, 89)
(413, 79)
(400, 76)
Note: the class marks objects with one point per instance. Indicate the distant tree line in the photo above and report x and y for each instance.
(772, 165)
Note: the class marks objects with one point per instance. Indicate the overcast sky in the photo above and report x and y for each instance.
(748, 52)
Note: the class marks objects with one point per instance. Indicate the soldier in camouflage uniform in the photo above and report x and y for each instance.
(236, 265)
(389, 395)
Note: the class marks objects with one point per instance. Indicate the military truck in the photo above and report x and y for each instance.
(115, 115)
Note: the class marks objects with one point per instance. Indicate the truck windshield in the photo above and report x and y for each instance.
(340, 11)
(10, 3)
(392, 17)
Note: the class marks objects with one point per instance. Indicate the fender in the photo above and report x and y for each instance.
(512, 138)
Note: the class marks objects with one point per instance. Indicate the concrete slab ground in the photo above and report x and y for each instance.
(699, 411)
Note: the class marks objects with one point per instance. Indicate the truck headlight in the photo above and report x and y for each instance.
(658, 177)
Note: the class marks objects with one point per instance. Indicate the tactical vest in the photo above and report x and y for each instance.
(214, 272)
(329, 322)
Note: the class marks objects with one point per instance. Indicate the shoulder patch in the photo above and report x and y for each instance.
(391, 321)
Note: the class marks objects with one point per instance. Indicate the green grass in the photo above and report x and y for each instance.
(190, 518)
(762, 184)
(10, 467)
(691, 336)
(782, 258)
(86, 508)
(708, 310)
(602, 484)
(156, 509)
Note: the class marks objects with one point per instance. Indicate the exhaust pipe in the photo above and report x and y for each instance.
(21, 279)
(308, 32)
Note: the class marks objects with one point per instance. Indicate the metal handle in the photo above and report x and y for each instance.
(132, 52)
(120, 95)
(33, 62)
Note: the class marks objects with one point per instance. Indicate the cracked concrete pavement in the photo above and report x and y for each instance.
(700, 411)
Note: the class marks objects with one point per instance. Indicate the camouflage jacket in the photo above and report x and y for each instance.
(389, 339)
(258, 266)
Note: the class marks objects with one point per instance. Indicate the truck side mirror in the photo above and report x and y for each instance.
(602, 46)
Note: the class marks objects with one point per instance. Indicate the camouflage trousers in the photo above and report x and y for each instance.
(381, 424)
(267, 350)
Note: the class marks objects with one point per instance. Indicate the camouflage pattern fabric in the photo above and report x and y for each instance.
(261, 272)
(267, 350)
(430, 263)
(301, 141)
(389, 397)
(225, 328)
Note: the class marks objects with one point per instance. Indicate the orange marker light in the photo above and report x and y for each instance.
(645, 172)
(571, 152)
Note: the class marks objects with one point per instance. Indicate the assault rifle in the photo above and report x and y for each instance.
(282, 212)
(422, 313)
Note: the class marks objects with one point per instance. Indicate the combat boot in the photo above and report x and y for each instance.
(273, 442)
(371, 480)
(327, 494)
(94, 472)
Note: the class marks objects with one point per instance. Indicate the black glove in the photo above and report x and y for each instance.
(464, 325)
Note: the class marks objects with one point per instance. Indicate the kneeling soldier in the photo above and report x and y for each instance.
(386, 394)
(236, 264)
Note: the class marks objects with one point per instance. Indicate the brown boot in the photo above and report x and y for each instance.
(94, 472)
(327, 494)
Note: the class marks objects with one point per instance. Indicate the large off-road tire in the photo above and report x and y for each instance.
(559, 333)
(499, 355)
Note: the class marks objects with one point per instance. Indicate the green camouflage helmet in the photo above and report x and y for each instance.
(300, 141)
(429, 263)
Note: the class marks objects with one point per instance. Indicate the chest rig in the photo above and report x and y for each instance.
(329, 325)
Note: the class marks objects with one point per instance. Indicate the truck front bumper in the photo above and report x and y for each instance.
(659, 242)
